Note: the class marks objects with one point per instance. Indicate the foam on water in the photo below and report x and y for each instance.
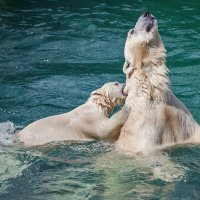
(7, 131)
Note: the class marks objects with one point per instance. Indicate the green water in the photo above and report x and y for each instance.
(52, 55)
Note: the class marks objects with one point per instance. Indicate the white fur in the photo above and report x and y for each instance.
(157, 119)
(86, 122)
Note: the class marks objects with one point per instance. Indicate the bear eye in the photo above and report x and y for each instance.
(127, 64)
(132, 31)
(116, 84)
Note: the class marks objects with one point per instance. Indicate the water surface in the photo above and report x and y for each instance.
(53, 54)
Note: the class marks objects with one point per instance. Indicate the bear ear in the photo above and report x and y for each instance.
(100, 92)
(97, 92)
(127, 68)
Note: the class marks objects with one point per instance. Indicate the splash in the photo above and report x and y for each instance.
(7, 131)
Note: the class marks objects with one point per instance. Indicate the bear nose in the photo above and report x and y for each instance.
(147, 14)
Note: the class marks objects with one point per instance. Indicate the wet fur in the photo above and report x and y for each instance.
(157, 117)
(86, 122)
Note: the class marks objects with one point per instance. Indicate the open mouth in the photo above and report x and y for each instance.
(150, 25)
(149, 21)
(122, 91)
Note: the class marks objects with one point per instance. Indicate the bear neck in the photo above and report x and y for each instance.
(156, 73)
(151, 84)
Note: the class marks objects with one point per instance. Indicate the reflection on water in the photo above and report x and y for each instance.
(53, 54)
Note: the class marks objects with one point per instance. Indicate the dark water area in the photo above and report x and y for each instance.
(53, 54)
